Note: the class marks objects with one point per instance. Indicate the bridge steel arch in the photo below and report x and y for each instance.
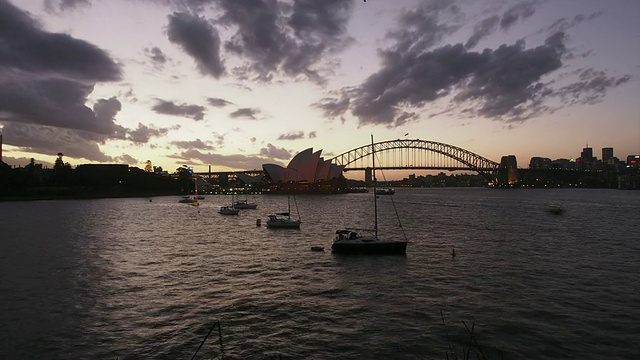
(468, 159)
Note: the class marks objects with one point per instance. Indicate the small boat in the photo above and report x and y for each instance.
(229, 210)
(385, 191)
(245, 204)
(185, 200)
(357, 241)
(283, 220)
(189, 200)
(193, 201)
(555, 209)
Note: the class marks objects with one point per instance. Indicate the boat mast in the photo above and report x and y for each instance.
(375, 197)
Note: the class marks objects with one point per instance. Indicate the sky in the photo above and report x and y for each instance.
(234, 84)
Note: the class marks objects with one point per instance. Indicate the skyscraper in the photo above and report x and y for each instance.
(508, 173)
(607, 153)
(586, 156)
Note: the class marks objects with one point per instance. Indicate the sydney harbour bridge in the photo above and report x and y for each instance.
(400, 154)
(415, 155)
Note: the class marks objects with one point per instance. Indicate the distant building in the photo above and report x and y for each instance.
(607, 153)
(537, 163)
(508, 174)
(586, 156)
(307, 166)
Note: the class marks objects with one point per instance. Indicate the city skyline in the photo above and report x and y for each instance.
(236, 85)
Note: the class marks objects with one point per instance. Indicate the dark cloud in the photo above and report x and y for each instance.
(129, 95)
(195, 144)
(247, 113)
(27, 49)
(242, 162)
(48, 140)
(518, 12)
(591, 87)
(273, 152)
(484, 28)
(423, 27)
(508, 79)
(218, 139)
(333, 107)
(564, 24)
(144, 133)
(45, 81)
(56, 102)
(105, 111)
(294, 135)
(74, 143)
(157, 57)
(22, 161)
(218, 102)
(509, 18)
(195, 112)
(313, 135)
(405, 117)
(275, 37)
(199, 39)
(62, 5)
(504, 84)
(507, 83)
(126, 159)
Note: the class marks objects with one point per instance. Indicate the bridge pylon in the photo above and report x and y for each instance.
(368, 176)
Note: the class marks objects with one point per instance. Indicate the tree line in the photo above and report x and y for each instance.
(33, 181)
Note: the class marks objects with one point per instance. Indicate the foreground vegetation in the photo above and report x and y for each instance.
(85, 181)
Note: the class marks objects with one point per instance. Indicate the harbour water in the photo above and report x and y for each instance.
(140, 279)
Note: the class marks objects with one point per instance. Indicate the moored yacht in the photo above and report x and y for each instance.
(388, 191)
(244, 204)
(283, 220)
(353, 241)
(228, 210)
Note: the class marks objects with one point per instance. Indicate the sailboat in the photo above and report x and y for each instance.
(245, 204)
(388, 191)
(354, 241)
(283, 220)
(228, 210)
(187, 199)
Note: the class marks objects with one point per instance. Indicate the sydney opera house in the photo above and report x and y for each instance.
(306, 172)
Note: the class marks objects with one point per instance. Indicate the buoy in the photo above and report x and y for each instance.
(258, 222)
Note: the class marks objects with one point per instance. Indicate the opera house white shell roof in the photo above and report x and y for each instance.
(306, 166)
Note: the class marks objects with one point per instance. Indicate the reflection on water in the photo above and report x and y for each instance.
(130, 278)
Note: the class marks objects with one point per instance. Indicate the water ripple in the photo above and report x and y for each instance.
(129, 278)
